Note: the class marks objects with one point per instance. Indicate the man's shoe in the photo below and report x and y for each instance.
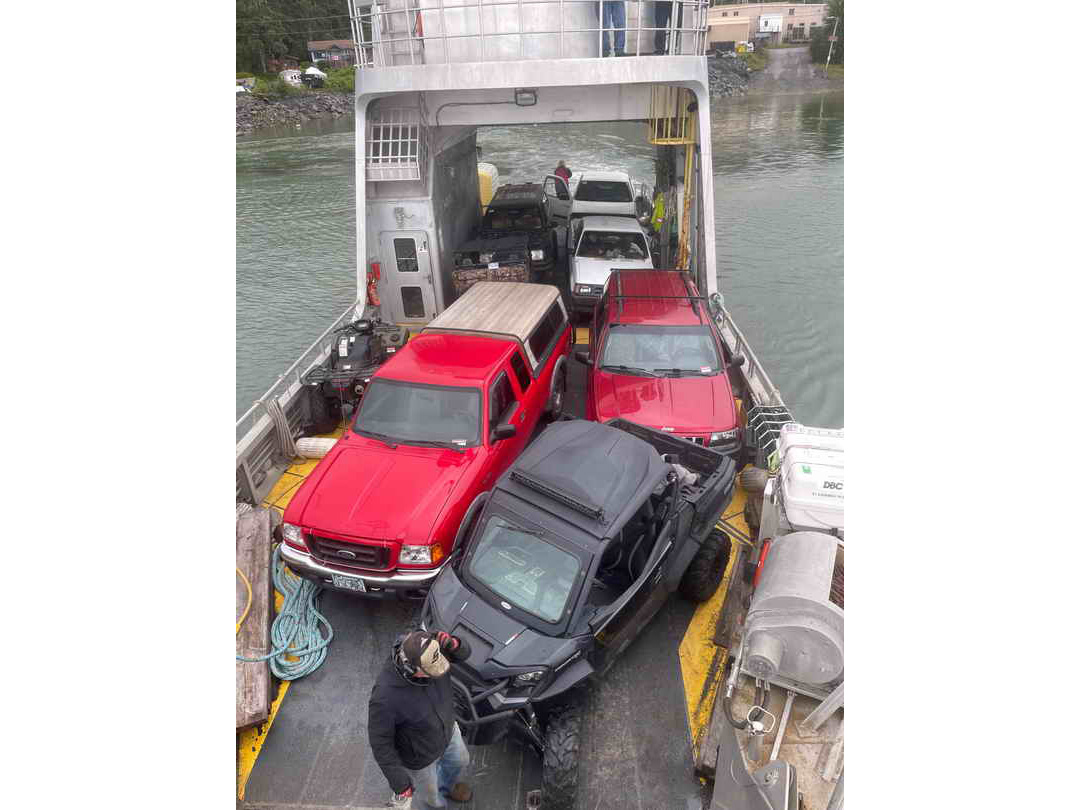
(461, 792)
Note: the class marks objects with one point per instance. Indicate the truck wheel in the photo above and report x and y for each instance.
(558, 397)
(707, 568)
(562, 742)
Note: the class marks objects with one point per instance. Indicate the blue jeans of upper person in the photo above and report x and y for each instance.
(432, 784)
(614, 17)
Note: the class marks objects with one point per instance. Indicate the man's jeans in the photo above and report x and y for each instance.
(662, 15)
(432, 784)
(614, 17)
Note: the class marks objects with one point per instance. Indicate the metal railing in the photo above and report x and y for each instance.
(258, 447)
(761, 387)
(429, 32)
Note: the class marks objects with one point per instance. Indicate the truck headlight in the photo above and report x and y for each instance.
(536, 255)
(528, 678)
(415, 555)
(486, 257)
(723, 436)
(583, 289)
(293, 534)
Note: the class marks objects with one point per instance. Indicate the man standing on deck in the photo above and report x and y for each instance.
(614, 18)
(662, 16)
(411, 726)
(562, 171)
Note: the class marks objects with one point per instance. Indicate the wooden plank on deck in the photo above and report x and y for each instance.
(253, 539)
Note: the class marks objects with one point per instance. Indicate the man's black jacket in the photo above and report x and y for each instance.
(410, 722)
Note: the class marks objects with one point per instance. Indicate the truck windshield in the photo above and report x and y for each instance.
(514, 219)
(610, 191)
(411, 412)
(612, 245)
(661, 348)
(524, 569)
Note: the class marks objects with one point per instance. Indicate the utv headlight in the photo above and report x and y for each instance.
(415, 555)
(723, 436)
(536, 255)
(293, 534)
(528, 678)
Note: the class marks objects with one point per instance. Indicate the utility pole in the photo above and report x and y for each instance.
(832, 41)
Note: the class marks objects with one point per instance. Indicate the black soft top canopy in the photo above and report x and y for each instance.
(591, 475)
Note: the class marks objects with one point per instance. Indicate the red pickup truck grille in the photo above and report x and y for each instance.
(345, 553)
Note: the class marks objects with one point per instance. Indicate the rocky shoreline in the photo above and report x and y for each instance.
(256, 112)
(728, 77)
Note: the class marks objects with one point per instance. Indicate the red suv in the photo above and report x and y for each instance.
(438, 424)
(655, 358)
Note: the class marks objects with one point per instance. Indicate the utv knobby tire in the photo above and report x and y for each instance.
(706, 570)
(324, 416)
(562, 744)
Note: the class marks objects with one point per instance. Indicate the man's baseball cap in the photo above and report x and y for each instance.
(423, 652)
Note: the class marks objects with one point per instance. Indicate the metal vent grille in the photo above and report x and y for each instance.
(397, 144)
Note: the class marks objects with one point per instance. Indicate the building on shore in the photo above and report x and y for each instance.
(765, 23)
(338, 52)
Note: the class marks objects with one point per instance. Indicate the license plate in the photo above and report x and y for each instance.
(349, 583)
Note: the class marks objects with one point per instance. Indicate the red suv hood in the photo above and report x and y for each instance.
(687, 404)
(384, 494)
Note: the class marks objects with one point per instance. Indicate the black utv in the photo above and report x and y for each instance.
(562, 565)
(358, 349)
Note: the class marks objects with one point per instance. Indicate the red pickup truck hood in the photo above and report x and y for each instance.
(687, 404)
(372, 491)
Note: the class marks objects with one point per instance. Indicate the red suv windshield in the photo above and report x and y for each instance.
(660, 349)
(416, 413)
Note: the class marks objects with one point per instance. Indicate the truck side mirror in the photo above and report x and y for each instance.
(503, 430)
(582, 356)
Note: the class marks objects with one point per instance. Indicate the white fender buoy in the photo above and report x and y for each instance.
(314, 447)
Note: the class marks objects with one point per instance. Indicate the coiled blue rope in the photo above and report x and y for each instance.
(295, 631)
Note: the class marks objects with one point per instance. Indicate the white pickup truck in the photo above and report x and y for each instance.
(592, 193)
(600, 244)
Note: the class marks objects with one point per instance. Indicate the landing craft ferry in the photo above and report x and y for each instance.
(734, 703)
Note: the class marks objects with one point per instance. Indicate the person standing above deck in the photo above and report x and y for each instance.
(411, 726)
(614, 14)
(562, 171)
(661, 18)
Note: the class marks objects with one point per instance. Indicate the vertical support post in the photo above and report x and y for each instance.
(823, 712)
(832, 41)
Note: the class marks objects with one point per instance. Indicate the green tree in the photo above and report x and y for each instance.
(819, 43)
(266, 29)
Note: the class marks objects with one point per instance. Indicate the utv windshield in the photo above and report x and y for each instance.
(412, 413)
(514, 219)
(612, 245)
(609, 191)
(660, 349)
(524, 569)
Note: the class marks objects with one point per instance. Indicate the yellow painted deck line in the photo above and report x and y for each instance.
(250, 740)
(700, 658)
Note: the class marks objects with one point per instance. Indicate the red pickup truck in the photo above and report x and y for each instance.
(438, 424)
(655, 358)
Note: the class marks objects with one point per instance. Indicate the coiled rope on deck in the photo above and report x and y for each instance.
(298, 648)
